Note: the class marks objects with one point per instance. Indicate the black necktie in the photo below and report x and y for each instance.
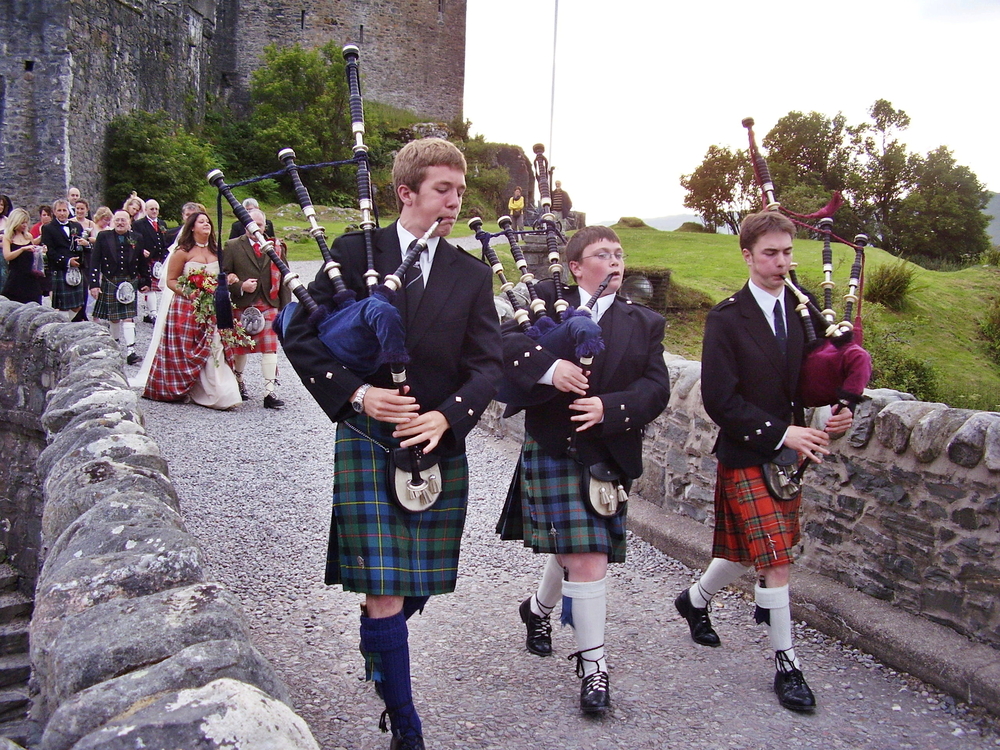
(779, 327)
(414, 290)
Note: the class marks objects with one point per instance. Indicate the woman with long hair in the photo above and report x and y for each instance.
(23, 282)
(191, 361)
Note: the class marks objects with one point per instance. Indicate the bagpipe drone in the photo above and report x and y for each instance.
(836, 368)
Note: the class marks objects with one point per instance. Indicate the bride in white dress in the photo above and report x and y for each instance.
(190, 360)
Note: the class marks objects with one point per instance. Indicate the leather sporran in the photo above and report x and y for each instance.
(604, 489)
(780, 475)
(409, 495)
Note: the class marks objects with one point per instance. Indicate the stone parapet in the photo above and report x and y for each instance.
(127, 622)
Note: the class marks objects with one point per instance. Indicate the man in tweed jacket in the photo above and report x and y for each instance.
(398, 559)
(751, 358)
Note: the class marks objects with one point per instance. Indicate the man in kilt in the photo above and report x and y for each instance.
(153, 231)
(254, 281)
(578, 419)
(66, 249)
(751, 358)
(397, 558)
(118, 259)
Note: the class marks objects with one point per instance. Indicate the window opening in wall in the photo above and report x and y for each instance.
(361, 34)
(440, 11)
(302, 22)
(29, 65)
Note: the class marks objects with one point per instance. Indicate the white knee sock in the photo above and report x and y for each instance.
(128, 331)
(116, 330)
(779, 623)
(590, 609)
(152, 303)
(269, 369)
(719, 574)
(549, 588)
(239, 365)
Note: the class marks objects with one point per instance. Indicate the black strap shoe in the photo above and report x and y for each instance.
(698, 621)
(133, 359)
(539, 639)
(595, 693)
(243, 391)
(790, 685)
(272, 402)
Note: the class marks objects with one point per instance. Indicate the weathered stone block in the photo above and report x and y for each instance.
(864, 415)
(895, 422)
(84, 444)
(117, 637)
(991, 447)
(65, 406)
(968, 445)
(193, 667)
(75, 491)
(223, 715)
(932, 432)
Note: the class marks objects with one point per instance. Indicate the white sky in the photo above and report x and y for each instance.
(643, 87)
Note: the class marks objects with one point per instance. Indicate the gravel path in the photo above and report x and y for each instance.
(255, 487)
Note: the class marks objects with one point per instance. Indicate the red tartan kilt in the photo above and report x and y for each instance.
(265, 342)
(751, 527)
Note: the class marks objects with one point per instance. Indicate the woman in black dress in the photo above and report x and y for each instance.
(23, 284)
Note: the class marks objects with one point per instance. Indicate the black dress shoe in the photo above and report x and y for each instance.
(272, 402)
(243, 391)
(792, 691)
(697, 619)
(539, 640)
(595, 693)
(148, 319)
(132, 358)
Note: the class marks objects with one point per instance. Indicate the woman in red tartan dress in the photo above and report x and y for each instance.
(191, 362)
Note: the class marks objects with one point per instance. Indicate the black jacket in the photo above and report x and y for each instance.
(454, 343)
(749, 389)
(630, 376)
(111, 259)
(154, 241)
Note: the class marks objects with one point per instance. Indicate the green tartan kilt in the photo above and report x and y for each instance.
(66, 297)
(108, 307)
(544, 508)
(376, 548)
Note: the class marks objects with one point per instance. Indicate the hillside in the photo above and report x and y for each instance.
(943, 308)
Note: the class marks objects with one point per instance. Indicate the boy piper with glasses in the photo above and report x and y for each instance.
(580, 419)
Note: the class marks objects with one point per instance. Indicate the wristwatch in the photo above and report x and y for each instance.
(358, 402)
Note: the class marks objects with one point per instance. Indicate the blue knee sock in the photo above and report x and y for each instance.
(388, 638)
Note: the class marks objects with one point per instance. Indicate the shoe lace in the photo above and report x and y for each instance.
(597, 682)
(539, 626)
(580, 659)
(784, 664)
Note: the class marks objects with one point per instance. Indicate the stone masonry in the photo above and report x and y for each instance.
(132, 645)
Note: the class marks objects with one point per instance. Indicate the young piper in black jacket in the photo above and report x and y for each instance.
(578, 419)
(751, 358)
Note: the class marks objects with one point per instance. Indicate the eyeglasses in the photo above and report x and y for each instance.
(605, 256)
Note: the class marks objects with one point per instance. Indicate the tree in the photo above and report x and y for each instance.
(151, 154)
(809, 150)
(884, 171)
(300, 100)
(721, 189)
(942, 216)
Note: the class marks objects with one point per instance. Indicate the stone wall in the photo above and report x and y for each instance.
(132, 643)
(67, 68)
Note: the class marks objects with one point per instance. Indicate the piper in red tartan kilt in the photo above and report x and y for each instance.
(395, 557)
(254, 281)
(192, 362)
(118, 259)
(751, 358)
(578, 420)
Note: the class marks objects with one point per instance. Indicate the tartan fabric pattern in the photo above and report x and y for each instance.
(751, 527)
(184, 350)
(555, 518)
(376, 548)
(66, 297)
(108, 307)
(267, 340)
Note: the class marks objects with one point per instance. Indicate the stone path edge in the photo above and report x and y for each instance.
(968, 671)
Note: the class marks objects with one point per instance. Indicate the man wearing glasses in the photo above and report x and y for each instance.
(579, 419)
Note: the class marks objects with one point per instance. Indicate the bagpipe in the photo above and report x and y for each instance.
(836, 368)
(360, 334)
